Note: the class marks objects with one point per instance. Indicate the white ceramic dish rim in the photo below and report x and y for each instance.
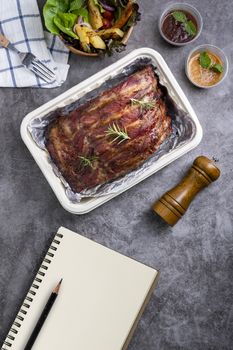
(203, 47)
(40, 156)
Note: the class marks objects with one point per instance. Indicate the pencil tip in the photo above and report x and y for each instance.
(56, 289)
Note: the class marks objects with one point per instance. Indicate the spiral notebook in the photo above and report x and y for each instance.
(102, 297)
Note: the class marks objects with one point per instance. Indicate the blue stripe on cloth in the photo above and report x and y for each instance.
(59, 51)
(18, 17)
(10, 62)
(53, 43)
(11, 69)
(25, 40)
(14, 67)
(21, 66)
(25, 32)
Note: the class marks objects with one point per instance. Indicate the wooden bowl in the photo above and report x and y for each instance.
(82, 53)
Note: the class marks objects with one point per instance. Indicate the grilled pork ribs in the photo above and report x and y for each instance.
(112, 134)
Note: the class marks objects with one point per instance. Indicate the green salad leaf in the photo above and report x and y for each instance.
(190, 28)
(188, 25)
(179, 16)
(51, 8)
(114, 46)
(118, 13)
(83, 12)
(217, 67)
(65, 22)
(205, 60)
(76, 5)
(78, 8)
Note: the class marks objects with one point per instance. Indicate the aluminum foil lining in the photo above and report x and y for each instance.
(183, 127)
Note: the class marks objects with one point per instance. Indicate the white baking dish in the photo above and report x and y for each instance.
(40, 156)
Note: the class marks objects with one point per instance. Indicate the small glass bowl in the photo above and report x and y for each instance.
(218, 52)
(185, 7)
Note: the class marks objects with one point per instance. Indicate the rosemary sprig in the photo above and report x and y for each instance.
(87, 161)
(144, 105)
(119, 135)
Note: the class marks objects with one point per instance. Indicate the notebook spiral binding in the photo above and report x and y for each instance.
(22, 314)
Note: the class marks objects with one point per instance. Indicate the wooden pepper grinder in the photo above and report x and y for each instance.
(173, 204)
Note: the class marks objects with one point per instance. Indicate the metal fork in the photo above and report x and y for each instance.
(30, 61)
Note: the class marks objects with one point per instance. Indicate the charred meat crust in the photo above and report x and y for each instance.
(82, 133)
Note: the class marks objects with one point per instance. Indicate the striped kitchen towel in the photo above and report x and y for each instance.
(20, 22)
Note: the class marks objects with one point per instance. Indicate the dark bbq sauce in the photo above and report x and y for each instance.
(175, 31)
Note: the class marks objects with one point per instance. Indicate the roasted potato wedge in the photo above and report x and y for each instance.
(126, 14)
(82, 33)
(112, 33)
(88, 36)
(95, 15)
(97, 42)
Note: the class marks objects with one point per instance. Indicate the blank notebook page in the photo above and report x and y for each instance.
(101, 298)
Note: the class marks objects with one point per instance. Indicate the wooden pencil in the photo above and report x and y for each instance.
(43, 317)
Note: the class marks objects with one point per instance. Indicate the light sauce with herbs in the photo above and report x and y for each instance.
(204, 76)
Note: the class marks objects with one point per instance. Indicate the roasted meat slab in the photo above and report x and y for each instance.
(111, 134)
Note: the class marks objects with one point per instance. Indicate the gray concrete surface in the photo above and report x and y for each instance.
(192, 307)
